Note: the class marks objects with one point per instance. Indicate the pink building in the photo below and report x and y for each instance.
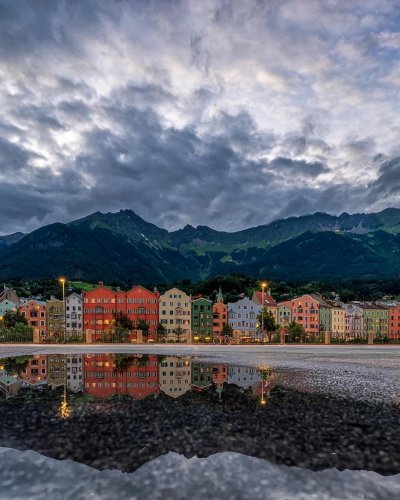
(306, 312)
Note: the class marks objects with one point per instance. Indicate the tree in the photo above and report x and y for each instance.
(11, 318)
(270, 326)
(161, 332)
(144, 325)
(122, 362)
(296, 332)
(16, 365)
(178, 333)
(227, 330)
(123, 320)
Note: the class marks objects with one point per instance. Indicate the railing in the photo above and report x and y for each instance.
(15, 338)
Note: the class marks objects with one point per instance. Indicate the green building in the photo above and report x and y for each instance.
(375, 320)
(202, 320)
(325, 321)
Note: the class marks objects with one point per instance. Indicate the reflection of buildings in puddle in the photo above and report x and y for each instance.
(202, 375)
(36, 371)
(133, 375)
(75, 372)
(56, 372)
(175, 375)
(9, 384)
(244, 377)
(268, 380)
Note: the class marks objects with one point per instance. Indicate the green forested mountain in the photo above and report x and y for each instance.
(123, 246)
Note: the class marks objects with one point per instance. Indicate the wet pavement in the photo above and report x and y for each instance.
(120, 411)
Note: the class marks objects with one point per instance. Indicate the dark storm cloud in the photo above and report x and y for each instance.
(298, 167)
(12, 158)
(222, 113)
(388, 182)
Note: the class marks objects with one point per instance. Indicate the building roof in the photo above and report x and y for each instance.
(269, 301)
(287, 303)
(369, 305)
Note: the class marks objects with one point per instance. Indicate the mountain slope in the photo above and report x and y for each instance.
(324, 256)
(124, 247)
(10, 239)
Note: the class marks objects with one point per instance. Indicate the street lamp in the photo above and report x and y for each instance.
(263, 285)
(62, 281)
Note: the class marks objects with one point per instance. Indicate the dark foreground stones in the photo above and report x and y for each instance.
(293, 428)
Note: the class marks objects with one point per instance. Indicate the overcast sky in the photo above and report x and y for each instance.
(223, 113)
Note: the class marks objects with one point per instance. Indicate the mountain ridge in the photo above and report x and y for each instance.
(117, 245)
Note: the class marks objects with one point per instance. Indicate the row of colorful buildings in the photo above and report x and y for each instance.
(181, 317)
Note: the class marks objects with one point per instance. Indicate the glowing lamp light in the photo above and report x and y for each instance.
(65, 411)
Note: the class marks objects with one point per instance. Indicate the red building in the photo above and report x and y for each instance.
(99, 307)
(135, 375)
(394, 321)
(102, 303)
(143, 304)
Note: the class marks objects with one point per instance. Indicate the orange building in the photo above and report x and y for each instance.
(394, 321)
(35, 313)
(220, 373)
(220, 314)
(134, 375)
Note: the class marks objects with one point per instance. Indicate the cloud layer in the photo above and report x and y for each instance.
(222, 113)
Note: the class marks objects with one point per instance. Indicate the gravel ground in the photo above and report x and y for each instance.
(305, 429)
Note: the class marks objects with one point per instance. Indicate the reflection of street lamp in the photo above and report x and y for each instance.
(263, 401)
(263, 285)
(65, 411)
(62, 281)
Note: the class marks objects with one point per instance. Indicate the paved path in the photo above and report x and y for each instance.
(385, 353)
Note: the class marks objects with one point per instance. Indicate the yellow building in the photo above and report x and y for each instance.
(338, 319)
(55, 317)
(175, 315)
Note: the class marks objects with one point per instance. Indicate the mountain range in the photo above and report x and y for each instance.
(123, 247)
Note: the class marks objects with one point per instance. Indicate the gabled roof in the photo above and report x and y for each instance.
(269, 301)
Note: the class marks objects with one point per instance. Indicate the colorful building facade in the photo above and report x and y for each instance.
(35, 314)
(55, 317)
(220, 315)
(142, 304)
(74, 313)
(243, 319)
(175, 314)
(202, 320)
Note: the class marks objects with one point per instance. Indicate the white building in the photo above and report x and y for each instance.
(175, 314)
(243, 318)
(175, 375)
(74, 313)
(354, 322)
